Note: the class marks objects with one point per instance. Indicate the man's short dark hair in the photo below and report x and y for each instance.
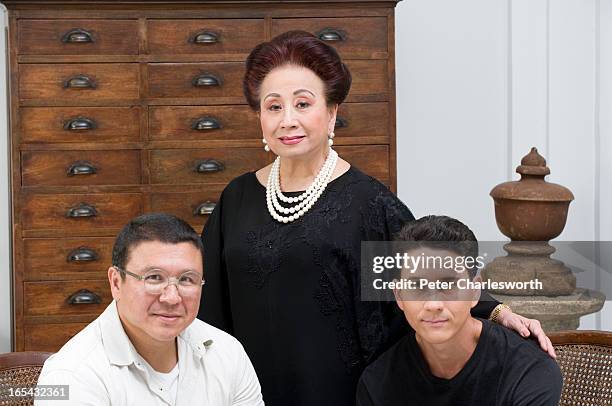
(160, 227)
(441, 232)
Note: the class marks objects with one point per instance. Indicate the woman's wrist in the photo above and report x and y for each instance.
(494, 317)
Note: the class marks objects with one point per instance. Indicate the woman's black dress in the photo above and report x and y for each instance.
(290, 292)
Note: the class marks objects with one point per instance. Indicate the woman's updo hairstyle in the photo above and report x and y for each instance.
(299, 48)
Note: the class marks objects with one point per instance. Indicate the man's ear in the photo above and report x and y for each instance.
(398, 299)
(114, 279)
(476, 292)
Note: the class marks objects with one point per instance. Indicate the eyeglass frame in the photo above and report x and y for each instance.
(176, 283)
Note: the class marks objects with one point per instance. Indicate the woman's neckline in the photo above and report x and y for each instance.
(350, 169)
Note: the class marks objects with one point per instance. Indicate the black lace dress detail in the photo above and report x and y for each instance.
(290, 292)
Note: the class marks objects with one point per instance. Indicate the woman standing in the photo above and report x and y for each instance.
(282, 247)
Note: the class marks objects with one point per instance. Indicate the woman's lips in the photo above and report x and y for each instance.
(291, 140)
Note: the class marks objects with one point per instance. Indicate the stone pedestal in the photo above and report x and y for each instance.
(556, 313)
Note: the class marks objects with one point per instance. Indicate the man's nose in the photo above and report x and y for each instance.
(170, 294)
(433, 305)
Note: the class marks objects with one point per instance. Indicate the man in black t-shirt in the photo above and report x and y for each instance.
(452, 358)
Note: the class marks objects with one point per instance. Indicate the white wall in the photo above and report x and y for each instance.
(481, 81)
(5, 246)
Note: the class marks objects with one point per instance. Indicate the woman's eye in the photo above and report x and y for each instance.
(274, 107)
(302, 105)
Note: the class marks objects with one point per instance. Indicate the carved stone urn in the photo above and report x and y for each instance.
(532, 211)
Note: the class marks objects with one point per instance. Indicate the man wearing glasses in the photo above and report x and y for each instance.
(147, 347)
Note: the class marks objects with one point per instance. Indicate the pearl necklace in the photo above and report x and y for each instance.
(305, 200)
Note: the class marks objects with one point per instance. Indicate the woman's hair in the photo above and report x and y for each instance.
(298, 48)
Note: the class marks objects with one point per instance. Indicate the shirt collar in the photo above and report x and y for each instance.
(119, 348)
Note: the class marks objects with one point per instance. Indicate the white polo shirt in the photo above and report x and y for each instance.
(102, 367)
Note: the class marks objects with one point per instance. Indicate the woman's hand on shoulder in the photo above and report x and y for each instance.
(526, 328)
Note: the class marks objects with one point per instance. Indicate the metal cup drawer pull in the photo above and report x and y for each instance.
(204, 209)
(81, 168)
(82, 254)
(206, 123)
(80, 82)
(206, 80)
(82, 210)
(341, 122)
(77, 36)
(80, 124)
(205, 37)
(84, 296)
(331, 35)
(209, 166)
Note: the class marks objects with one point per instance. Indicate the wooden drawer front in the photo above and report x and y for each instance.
(67, 258)
(107, 81)
(233, 36)
(362, 120)
(98, 212)
(80, 168)
(218, 165)
(203, 123)
(49, 337)
(78, 37)
(352, 37)
(79, 124)
(53, 298)
(371, 159)
(192, 207)
(217, 79)
(370, 82)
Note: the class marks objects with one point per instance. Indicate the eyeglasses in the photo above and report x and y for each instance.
(157, 280)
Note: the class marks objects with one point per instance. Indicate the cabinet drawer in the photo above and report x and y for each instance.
(371, 159)
(80, 168)
(370, 81)
(215, 165)
(66, 298)
(79, 214)
(362, 37)
(74, 83)
(203, 123)
(362, 120)
(80, 124)
(192, 207)
(215, 79)
(78, 37)
(232, 36)
(67, 258)
(49, 337)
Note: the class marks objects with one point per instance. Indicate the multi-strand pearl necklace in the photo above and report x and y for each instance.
(304, 201)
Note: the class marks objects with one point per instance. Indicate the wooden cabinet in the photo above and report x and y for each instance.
(125, 107)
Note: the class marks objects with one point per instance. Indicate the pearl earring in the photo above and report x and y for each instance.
(266, 146)
(330, 138)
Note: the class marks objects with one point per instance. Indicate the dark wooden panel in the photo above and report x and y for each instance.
(44, 37)
(232, 36)
(185, 205)
(179, 166)
(176, 79)
(116, 81)
(51, 298)
(362, 120)
(371, 159)
(176, 123)
(364, 37)
(55, 168)
(370, 81)
(49, 337)
(46, 212)
(109, 124)
(66, 258)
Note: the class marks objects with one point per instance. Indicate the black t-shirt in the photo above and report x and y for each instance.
(504, 369)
